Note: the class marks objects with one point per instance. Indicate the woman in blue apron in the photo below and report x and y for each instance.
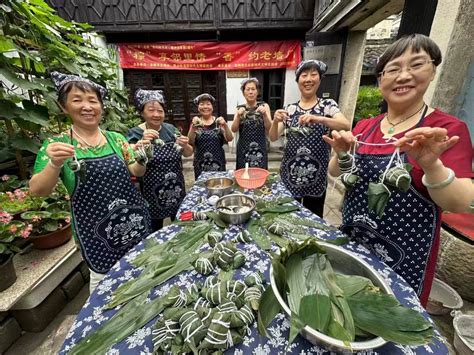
(208, 134)
(109, 215)
(163, 183)
(404, 233)
(252, 120)
(306, 156)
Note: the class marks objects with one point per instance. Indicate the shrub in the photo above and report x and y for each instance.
(368, 104)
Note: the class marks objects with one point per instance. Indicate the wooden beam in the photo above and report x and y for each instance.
(391, 8)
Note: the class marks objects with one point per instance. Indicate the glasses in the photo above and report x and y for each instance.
(413, 68)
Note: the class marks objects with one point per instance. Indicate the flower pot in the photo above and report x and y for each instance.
(53, 239)
(7, 273)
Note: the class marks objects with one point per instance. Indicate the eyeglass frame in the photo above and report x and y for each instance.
(408, 67)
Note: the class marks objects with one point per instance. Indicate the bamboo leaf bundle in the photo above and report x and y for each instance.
(345, 307)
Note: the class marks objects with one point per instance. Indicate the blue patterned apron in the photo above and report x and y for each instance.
(163, 183)
(404, 236)
(252, 144)
(209, 154)
(110, 216)
(305, 161)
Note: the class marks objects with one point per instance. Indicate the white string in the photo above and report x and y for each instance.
(395, 153)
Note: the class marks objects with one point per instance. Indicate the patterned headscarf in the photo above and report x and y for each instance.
(144, 96)
(245, 81)
(308, 64)
(202, 97)
(61, 79)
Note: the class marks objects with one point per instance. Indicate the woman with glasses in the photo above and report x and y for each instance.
(391, 208)
(208, 134)
(306, 156)
(252, 120)
(163, 183)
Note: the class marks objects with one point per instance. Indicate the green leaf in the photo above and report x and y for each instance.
(25, 143)
(378, 196)
(296, 325)
(128, 319)
(352, 284)
(34, 214)
(336, 330)
(296, 282)
(50, 226)
(382, 315)
(315, 311)
(16, 80)
(9, 110)
(258, 235)
(6, 45)
(267, 310)
(35, 113)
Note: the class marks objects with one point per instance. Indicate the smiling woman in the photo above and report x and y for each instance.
(305, 160)
(163, 183)
(95, 167)
(393, 208)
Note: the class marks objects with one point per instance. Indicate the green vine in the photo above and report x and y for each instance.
(34, 41)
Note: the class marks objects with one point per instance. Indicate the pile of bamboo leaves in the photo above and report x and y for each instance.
(161, 262)
(348, 308)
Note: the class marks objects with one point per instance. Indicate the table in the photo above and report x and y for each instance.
(92, 316)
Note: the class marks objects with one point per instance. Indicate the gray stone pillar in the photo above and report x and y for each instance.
(452, 30)
(351, 71)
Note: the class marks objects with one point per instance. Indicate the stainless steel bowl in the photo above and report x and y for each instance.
(346, 263)
(228, 206)
(219, 186)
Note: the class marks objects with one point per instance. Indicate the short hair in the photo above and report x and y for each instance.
(416, 42)
(310, 64)
(244, 83)
(80, 85)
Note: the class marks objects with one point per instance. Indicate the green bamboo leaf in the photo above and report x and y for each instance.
(382, 315)
(378, 196)
(315, 311)
(352, 284)
(267, 310)
(336, 330)
(296, 282)
(138, 286)
(296, 325)
(258, 235)
(128, 319)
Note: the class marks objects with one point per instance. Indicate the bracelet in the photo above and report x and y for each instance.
(54, 165)
(441, 184)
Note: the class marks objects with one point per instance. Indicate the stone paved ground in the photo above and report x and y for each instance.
(50, 340)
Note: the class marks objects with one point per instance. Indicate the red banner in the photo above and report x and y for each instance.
(210, 55)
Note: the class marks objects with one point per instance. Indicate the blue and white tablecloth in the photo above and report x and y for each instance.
(92, 317)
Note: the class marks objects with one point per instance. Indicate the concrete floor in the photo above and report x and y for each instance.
(50, 340)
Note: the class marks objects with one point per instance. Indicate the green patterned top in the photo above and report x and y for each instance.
(116, 143)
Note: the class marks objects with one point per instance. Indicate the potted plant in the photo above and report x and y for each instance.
(49, 217)
(51, 223)
(10, 230)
